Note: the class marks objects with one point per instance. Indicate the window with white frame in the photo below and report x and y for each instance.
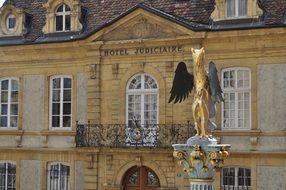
(236, 106)
(11, 22)
(60, 102)
(63, 19)
(9, 103)
(236, 8)
(58, 176)
(236, 178)
(142, 100)
(7, 176)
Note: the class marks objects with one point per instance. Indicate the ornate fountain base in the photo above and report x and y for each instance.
(200, 157)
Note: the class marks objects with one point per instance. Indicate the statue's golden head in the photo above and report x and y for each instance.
(198, 55)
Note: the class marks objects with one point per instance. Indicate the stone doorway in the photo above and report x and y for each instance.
(140, 178)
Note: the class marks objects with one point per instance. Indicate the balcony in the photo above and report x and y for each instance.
(120, 135)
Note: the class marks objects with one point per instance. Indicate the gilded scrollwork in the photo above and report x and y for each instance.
(200, 160)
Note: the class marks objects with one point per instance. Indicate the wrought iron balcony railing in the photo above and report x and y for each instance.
(119, 135)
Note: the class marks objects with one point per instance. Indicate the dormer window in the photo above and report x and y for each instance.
(236, 8)
(63, 19)
(11, 22)
(62, 16)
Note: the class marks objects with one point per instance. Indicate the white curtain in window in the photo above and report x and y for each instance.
(230, 7)
(242, 7)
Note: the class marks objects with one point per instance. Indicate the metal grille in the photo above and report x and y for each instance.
(236, 179)
(7, 176)
(59, 177)
(120, 135)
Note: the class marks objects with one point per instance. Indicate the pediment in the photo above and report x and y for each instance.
(142, 24)
(141, 28)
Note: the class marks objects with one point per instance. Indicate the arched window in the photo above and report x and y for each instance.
(9, 103)
(236, 86)
(235, 178)
(63, 19)
(142, 100)
(11, 22)
(140, 178)
(60, 102)
(7, 176)
(58, 176)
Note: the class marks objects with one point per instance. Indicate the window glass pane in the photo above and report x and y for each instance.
(231, 74)
(14, 85)
(14, 96)
(67, 8)
(60, 9)
(14, 109)
(67, 83)
(135, 83)
(4, 109)
(66, 121)
(232, 97)
(226, 84)
(11, 23)
(55, 121)
(4, 85)
(152, 179)
(56, 95)
(67, 95)
(64, 183)
(67, 22)
(59, 23)
(230, 6)
(149, 83)
(11, 178)
(248, 177)
(242, 7)
(57, 83)
(4, 97)
(3, 121)
(56, 109)
(133, 179)
(13, 121)
(67, 109)
(246, 96)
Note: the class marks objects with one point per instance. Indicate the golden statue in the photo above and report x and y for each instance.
(207, 90)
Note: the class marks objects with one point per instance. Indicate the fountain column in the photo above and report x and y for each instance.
(200, 157)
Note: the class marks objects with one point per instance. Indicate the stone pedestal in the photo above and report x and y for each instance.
(200, 157)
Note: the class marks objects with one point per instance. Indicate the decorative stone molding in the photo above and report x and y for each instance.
(141, 28)
(45, 140)
(18, 139)
(19, 14)
(115, 70)
(93, 70)
(169, 66)
(75, 12)
(90, 161)
(253, 142)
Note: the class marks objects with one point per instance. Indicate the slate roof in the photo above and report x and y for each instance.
(96, 14)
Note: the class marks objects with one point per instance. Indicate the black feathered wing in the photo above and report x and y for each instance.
(182, 84)
(214, 83)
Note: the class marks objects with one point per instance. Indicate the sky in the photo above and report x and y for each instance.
(1, 2)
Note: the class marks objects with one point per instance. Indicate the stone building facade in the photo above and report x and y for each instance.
(84, 88)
